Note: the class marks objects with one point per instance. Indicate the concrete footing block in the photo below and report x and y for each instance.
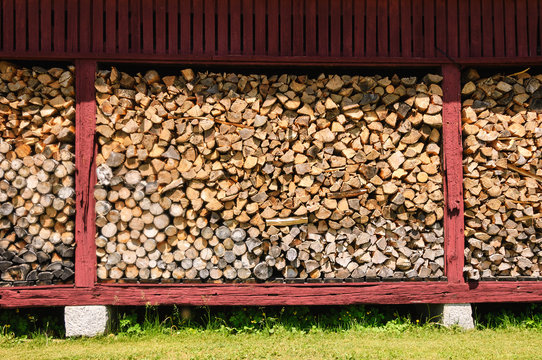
(455, 315)
(87, 320)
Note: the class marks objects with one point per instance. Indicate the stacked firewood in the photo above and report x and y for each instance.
(229, 177)
(502, 139)
(37, 197)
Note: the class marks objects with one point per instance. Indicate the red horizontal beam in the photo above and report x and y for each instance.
(274, 294)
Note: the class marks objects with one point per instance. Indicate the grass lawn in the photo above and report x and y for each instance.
(412, 343)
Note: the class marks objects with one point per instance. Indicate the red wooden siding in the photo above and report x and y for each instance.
(360, 30)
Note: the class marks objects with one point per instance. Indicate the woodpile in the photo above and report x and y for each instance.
(37, 197)
(230, 177)
(502, 139)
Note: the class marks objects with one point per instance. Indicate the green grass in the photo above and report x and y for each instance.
(413, 343)
(349, 332)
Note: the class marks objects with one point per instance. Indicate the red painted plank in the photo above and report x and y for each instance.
(185, 26)
(173, 26)
(417, 28)
(148, 28)
(73, 20)
(464, 44)
(406, 28)
(498, 27)
(85, 163)
(97, 26)
(235, 27)
(273, 28)
(310, 28)
(395, 29)
(285, 42)
(59, 30)
(521, 26)
(8, 14)
(532, 26)
(274, 294)
(359, 28)
(197, 27)
(298, 28)
(33, 26)
(20, 25)
(135, 26)
(248, 27)
(382, 21)
(335, 28)
(510, 27)
(347, 34)
(160, 26)
(370, 32)
(454, 240)
(475, 28)
(111, 26)
(323, 27)
(211, 42)
(260, 31)
(84, 26)
(429, 28)
(452, 29)
(123, 35)
(487, 28)
(441, 29)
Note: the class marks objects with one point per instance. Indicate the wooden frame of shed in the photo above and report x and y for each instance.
(448, 34)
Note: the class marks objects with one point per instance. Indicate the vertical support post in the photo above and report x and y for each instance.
(85, 163)
(454, 237)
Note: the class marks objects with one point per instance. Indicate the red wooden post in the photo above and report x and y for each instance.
(85, 156)
(454, 240)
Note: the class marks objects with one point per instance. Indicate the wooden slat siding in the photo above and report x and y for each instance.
(222, 26)
(185, 26)
(347, 34)
(84, 25)
(123, 37)
(310, 28)
(429, 28)
(59, 30)
(323, 27)
(532, 26)
(111, 26)
(197, 27)
(395, 28)
(487, 28)
(498, 28)
(510, 27)
(148, 28)
(382, 6)
(85, 165)
(452, 29)
(20, 25)
(173, 26)
(260, 36)
(160, 23)
(248, 27)
(417, 28)
(97, 26)
(475, 28)
(521, 26)
(406, 28)
(454, 241)
(235, 27)
(8, 14)
(370, 28)
(33, 26)
(463, 24)
(298, 28)
(335, 38)
(135, 26)
(73, 26)
(441, 29)
(285, 43)
(273, 28)
(45, 25)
